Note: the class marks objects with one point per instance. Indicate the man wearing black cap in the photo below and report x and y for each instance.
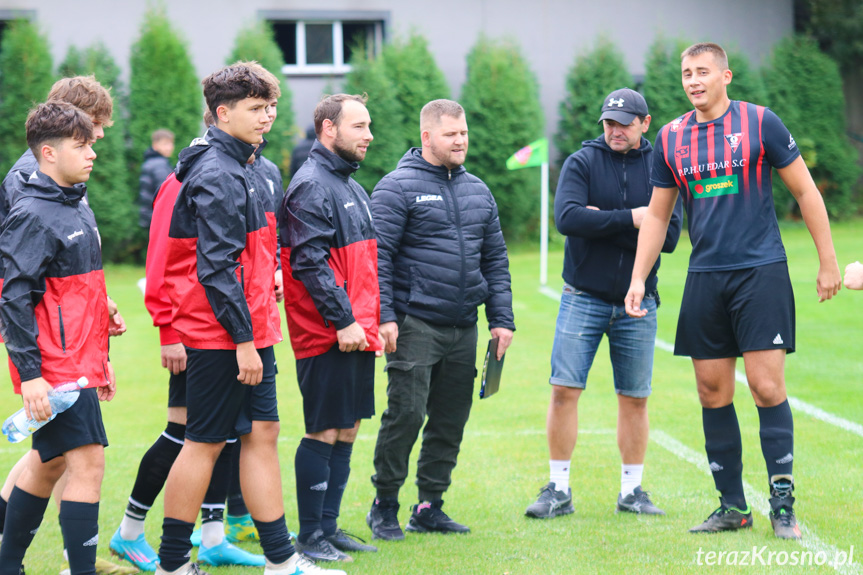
(601, 200)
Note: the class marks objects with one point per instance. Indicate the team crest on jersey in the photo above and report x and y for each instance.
(734, 140)
(681, 152)
(675, 125)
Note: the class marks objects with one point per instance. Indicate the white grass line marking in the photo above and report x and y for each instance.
(756, 499)
(797, 404)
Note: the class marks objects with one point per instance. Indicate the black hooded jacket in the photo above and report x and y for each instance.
(601, 243)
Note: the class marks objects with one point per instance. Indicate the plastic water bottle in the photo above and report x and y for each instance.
(19, 427)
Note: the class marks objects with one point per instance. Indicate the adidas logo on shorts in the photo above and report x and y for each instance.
(778, 340)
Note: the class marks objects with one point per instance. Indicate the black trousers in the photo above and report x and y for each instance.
(431, 374)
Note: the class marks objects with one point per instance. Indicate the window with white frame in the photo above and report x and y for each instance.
(320, 43)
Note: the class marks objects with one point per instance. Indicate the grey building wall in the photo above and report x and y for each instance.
(550, 32)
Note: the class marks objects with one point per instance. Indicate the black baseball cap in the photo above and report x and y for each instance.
(623, 106)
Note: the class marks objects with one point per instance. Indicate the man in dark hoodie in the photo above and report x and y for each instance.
(441, 254)
(155, 168)
(600, 202)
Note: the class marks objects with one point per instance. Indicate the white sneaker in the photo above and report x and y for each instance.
(299, 565)
(187, 569)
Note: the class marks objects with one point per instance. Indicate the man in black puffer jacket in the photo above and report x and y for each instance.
(441, 254)
(154, 170)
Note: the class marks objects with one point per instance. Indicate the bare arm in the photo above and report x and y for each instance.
(799, 181)
(651, 238)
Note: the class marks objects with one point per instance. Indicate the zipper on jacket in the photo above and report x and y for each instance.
(62, 329)
(624, 181)
(462, 274)
(243, 277)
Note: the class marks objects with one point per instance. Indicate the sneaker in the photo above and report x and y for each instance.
(726, 518)
(241, 528)
(196, 537)
(137, 552)
(551, 503)
(187, 569)
(428, 517)
(299, 565)
(318, 548)
(782, 508)
(638, 502)
(348, 542)
(226, 554)
(383, 520)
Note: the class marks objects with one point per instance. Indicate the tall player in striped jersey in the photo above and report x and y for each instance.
(738, 299)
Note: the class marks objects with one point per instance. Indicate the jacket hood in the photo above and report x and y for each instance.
(413, 158)
(333, 162)
(44, 188)
(214, 137)
(601, 144)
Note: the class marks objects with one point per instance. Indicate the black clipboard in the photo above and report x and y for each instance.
(491, 370)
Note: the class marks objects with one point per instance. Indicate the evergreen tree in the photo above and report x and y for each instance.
(747, 84)
(591, 78)
(164, 89)
(412, 69)
(663, 87)
(26, 77)
(110, 191)
(257, 42)
(501, 102)
(805, 90)
(368, 76)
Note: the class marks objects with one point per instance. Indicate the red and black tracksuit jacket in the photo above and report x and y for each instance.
(219, 268)
(53, 308)
(329, 255)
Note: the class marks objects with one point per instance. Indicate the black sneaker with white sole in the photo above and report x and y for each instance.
(638, 502)
(550, 503)
(428, 517)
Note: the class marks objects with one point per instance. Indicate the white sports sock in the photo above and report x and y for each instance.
(131, 528)
(559, 474)
(630, 478)
(212, 534)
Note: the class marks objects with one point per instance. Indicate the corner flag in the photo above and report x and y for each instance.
(534, 154)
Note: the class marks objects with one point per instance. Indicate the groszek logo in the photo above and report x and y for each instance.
(712, 187)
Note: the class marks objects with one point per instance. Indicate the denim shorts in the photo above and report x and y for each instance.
(581, 323)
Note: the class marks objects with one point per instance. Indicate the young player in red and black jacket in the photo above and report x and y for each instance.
(54, 314)
(219, 276)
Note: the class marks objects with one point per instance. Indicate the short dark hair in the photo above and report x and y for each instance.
(432, 112)
(86, 93)
(54, 121)
(330, 108)
(718, 53)
(233, 83)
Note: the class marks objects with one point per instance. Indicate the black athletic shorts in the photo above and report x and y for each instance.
(338, 388)
(218, 406)
(177, 390)
(79, 425)
(724, 314)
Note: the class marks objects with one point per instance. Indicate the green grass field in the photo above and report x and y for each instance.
(503, 461)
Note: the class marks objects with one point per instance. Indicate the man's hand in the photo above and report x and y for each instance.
(638, 216)
(280, 286)
(389, 334)
(504, 336)
(106, 392)
(174, 357)
(34, 393)
(854, 276)
(632, 302)
(829, 281)
(116, 325)
(352, 338)
(251, 366)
